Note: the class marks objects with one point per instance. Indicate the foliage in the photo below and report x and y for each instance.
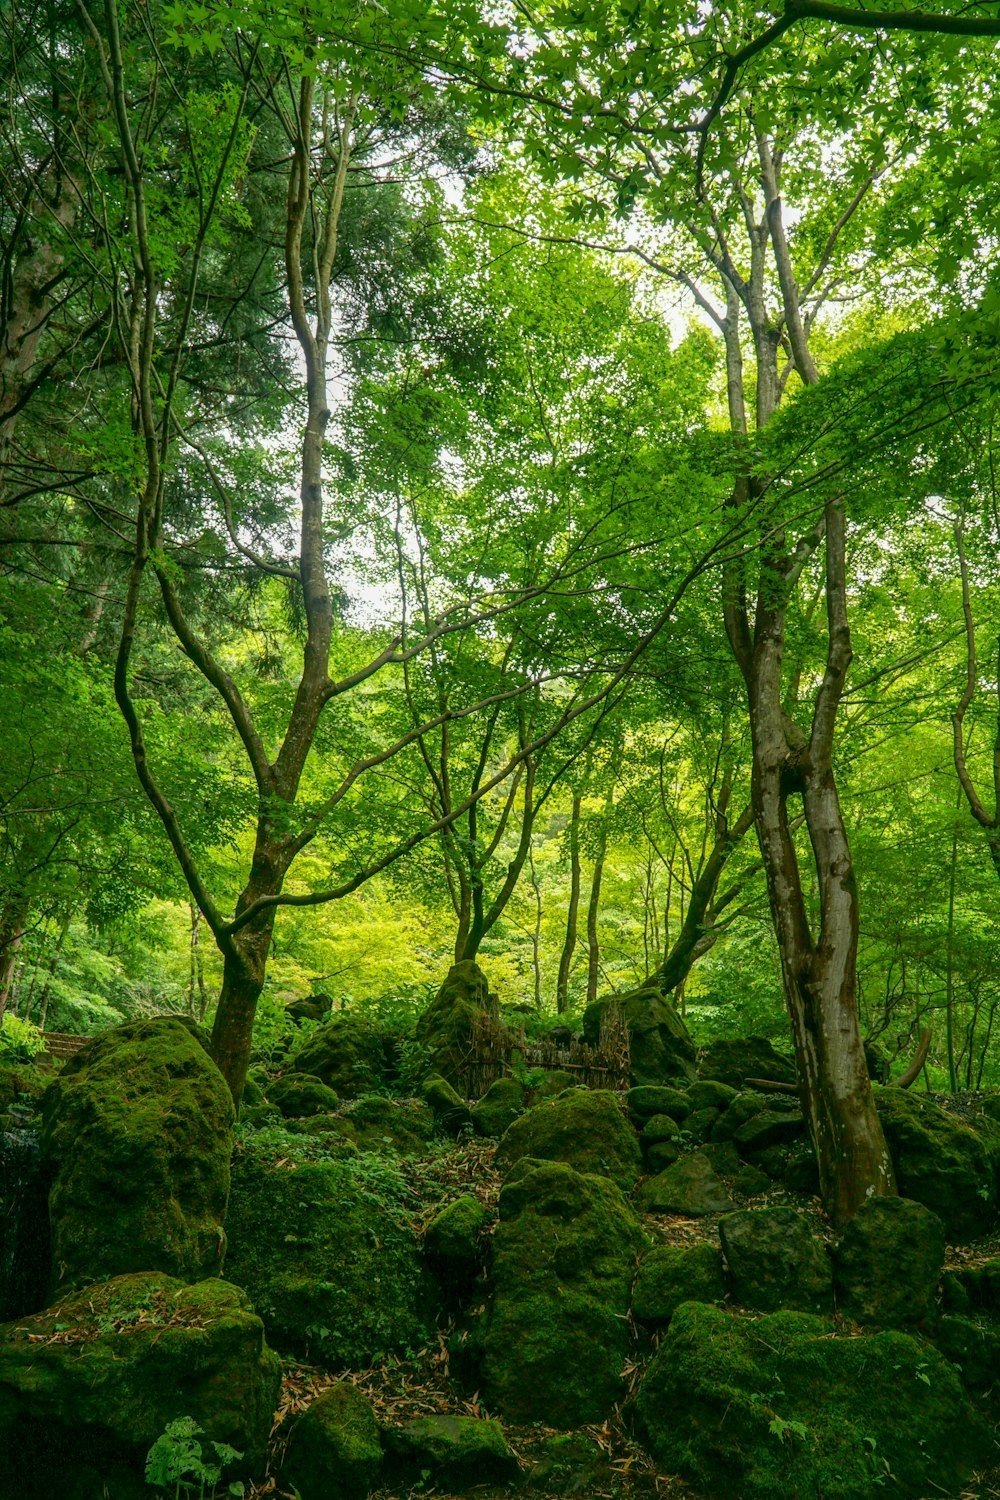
(183, 1457)
(20, 1041)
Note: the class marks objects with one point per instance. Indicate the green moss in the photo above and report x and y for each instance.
(941, 1162)
(660, 1046)
(776, 1260)
(709, 1093)
(121, 1359)
(347, 1054)
(335, 1447)
(451, 1113)
(733, 1060)
(648, 1100)
(889, 1261)
(564, 1258)
(672, 1274)
(324, 1251)
(882, 1414)
(973, 1347)
(376, 1123)
(446, 1028)
(137, 1133)
(300, 1094)
(453, 1241)
(503, 1101)
(451, 1453)
(584, 1128)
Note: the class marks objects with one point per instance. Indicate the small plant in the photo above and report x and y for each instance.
(781, 1428)
(20, 1041)
(182, 1456)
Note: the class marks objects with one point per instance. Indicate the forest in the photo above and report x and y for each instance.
(499, 589)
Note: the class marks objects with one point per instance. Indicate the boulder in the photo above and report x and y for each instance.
(750, 1182)
(800, 1173)
(584, 1128)
(503, 1101)
(297, 1095)
(347, 1054)
(376, 1123)
(450, 1111)
(103, 1372)
(672, 1274)
(569, 1463)
(784, 1405)
(334, 1447)
(661, 1049)
(771, 1128)
(448, 1026)
(744, 1107)
(660, 1155)
(454, 1241)
(734, 1060)
(973, 1347)
(556, 1336)
(137, 1136)
(724, 1157)
(942, 1162)
(709, 1093)
(659, 1128)
(652, 1099)
(331, 1265)
(309, 1008)
(690, 1187)
(449, 1453)
(776, 1260)
(699, 1123)
(889, 1261)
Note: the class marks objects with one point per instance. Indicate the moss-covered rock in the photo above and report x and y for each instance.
(973, 1347)
(770, 1128)
(454, 1241)
(499, 1107)
(691, 1186)
(24, 1225)
(376, 1123)
(570, 1463)
(450, 1453)
(710, 1093)
(584, 1128)
(324, 1251)
(347, 1054)
(741, 1109)
(724, 1157)
(750, 1182)
(21, 1084)
(297, 1095)
(784, 1406)
(672, 1274)
(776, 1260)
(734, 1060)
(137, 1135)
(660, 1155)
(335, 1447)
(942, 1162)
(451, 1113)
(448, 1025)
(660, 1045)
(563, 1261)
(309, 1008)
(651, 1099)
(107, 1368)
(659, 1128)
(889, 1261)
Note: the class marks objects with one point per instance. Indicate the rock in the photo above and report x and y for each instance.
(451, 1113)
(137, 1136)
(557, 1334)
(376, 1123)
(773, 1161)
(709, 1093)
(750, 1182)
(776, 1260)
(648, 1100)
(942, 1162)
(300, 1094)
(25, 1256)
(449, 1453)
(584, 1128)
(888, 1262)
(699, 1123)
(785, 1406)
(561, 1037)
(346, 1054)
(106, 1369)
(661, 1155)
(724, 1157)
(309, 1008)
(877, 1062)
(973, 1346)
(503, 1101)
(801, 1170)
(568, 1463)
(733, 1061)
(672, 1274)
(689, 1187)
(453, 1241)
(333, 1270)
(660, 1128)
(768, 1129)
(253, 1096)
(334, 1447)
(448, 1026)
(547, 1083)
(661, 1048)
(978, 1285)
(741, 1109)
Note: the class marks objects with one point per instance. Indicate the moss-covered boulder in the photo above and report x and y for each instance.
(503, 1101)
(889, 1262)
(672, 1274)
(335, 1447)
(451, 1113)
(973, 1347)
(651, 1099)
(347, 1054)
(769, 1128)
(584, 1128)
(942, 1162)
(298, 1095)
(137, 1136)
(563, 1261)
(325, 1252)
(448, 1025)
(710, 1093)
(691, 1186)
(660, 1045)
(741, 1109)
(734, 1060)
(449, 1453)
(785, 1406)
(107, 1368)
(21, 1085)
(454, 1242)
(776, 1260)
(376, 1123)
(309, 1008)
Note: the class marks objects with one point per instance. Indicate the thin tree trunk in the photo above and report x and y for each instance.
(593, 906)
(572, 915)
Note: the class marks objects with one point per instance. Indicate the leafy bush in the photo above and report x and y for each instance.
(20, 1041)
(183, 1457)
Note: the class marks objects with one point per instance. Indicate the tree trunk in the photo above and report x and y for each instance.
(572, 915)
(691, 940)
(593, 906)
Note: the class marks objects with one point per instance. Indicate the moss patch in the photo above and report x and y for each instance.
(584, 1128)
